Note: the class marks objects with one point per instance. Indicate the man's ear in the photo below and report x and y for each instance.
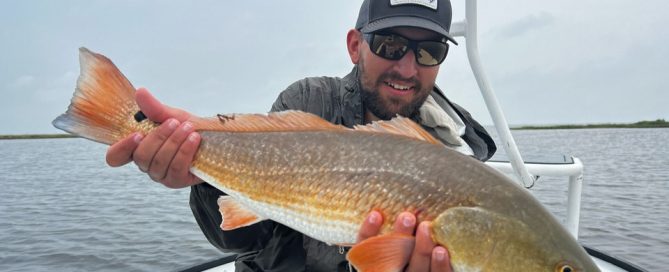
(353, 42)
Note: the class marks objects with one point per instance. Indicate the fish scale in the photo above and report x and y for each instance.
(331, 182)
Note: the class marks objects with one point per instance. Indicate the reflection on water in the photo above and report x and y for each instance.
(62, 208)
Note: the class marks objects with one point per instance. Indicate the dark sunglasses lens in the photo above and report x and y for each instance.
(390, 47)
(431, 53)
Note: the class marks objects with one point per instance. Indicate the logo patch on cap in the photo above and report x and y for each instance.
(428, 3)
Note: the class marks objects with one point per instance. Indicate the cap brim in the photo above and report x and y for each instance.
(406, 21)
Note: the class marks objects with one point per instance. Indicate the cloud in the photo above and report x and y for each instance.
(22, 82)
(524, 25)
(590, 66)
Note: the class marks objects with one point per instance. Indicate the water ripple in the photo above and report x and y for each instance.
(63, 209)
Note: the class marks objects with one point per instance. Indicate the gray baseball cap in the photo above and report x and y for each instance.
(434, 15)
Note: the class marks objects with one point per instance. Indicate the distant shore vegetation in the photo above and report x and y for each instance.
(35, 136)
(659, 123)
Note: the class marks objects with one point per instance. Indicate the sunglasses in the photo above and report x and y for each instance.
(392, 46)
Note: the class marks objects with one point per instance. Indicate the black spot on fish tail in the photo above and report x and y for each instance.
(140, 116)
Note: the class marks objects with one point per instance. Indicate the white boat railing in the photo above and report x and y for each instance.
(524, 172)
(573, 170)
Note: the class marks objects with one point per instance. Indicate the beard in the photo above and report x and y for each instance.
(388, 108)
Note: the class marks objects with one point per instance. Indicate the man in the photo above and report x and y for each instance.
(396, 48)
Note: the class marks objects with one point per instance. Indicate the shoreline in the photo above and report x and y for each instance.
(35, 136)
(659, 123)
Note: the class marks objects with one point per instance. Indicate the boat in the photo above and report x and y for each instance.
(525, 172)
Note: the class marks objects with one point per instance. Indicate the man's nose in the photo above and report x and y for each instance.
(407, 66)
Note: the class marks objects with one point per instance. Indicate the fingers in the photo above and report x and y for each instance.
(166, 153)
(155, 110)
(422, 252)
(152, 142)
(405, 223)
(120, 153)
(178, 174)
(371, 226)
(427, 256)
(441, 261)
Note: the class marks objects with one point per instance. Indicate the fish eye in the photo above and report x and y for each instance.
(565, 268)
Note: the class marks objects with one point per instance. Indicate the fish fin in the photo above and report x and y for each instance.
(291, 120)
(389, 252)
(234, 215)
(294, 120)
(103, 103)
(400, 126)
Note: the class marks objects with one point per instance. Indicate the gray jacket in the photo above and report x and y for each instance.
(270, 246)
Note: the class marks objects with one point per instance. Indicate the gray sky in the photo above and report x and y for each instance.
(550, 62)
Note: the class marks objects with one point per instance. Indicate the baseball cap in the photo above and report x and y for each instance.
(432, 15)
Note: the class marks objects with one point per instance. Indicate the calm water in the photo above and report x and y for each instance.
(63, 209)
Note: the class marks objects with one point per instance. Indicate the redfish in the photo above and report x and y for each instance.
(323, 179)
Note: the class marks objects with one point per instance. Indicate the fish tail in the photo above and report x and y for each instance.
(103, 106)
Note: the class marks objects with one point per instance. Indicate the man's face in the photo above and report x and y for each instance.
(391, 87)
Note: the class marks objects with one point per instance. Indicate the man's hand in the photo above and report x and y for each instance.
(167, 152)
(426, 256)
